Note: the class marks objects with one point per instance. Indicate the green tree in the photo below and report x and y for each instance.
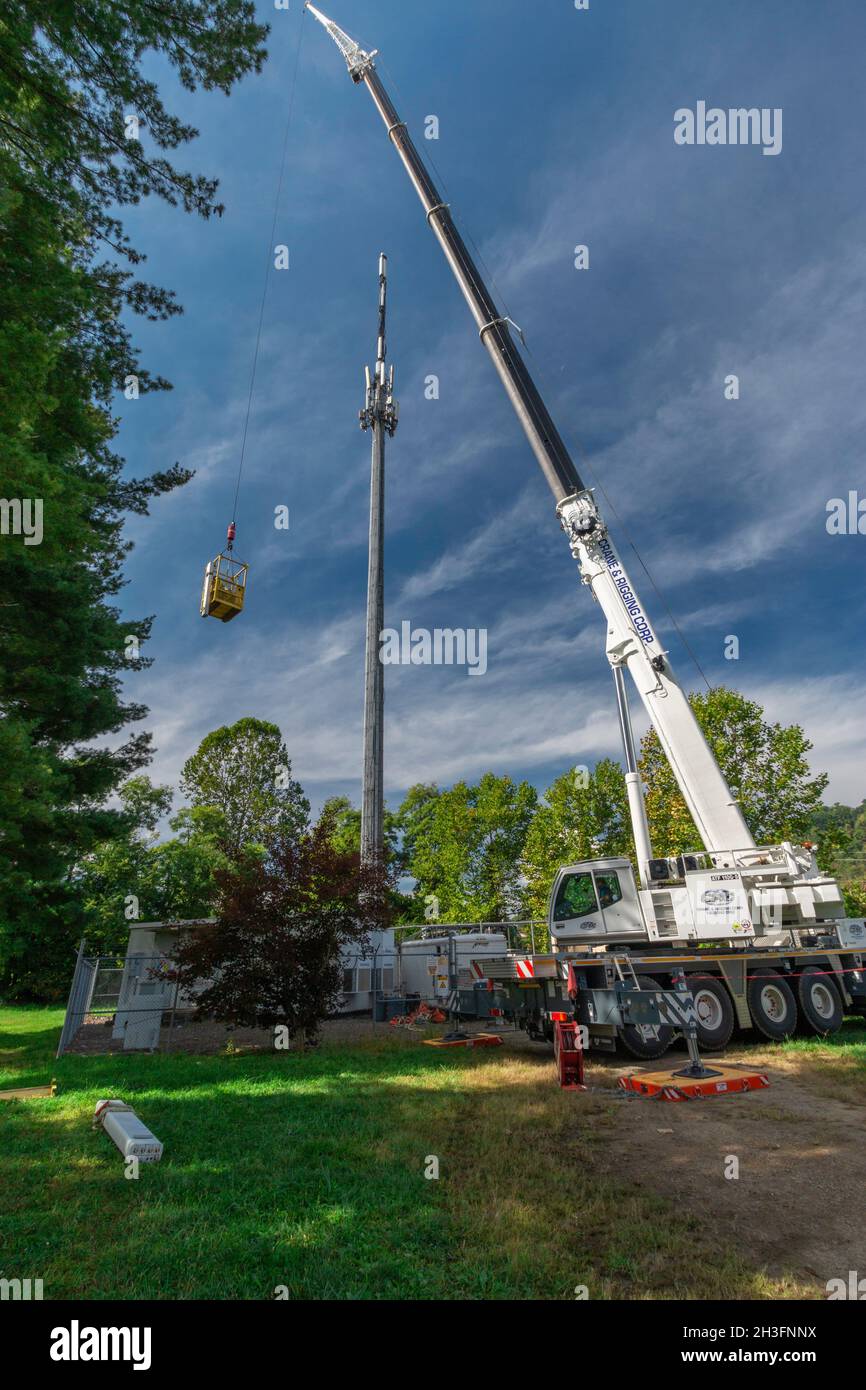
(463, 848)
(583, 815)
(70, 77)
(83, 125)
(765, 765)
(854, 894)
(243, 771)
(140, 878)
(274, 955)
(182, 873)
(840, 832)
(65, 648)
(345, 819)
(343, 822)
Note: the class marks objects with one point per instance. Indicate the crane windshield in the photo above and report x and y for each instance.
(576, 897)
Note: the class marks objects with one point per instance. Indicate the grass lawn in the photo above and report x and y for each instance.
(835, 1067)
(308, 1171)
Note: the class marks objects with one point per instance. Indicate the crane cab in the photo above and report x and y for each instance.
(224, 588)
(595, 901)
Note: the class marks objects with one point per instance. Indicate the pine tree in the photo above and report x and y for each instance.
(82, 134)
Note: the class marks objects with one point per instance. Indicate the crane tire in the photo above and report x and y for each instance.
(715, 1012)
(819, 1002)
(645, 1040)
(772, 1005)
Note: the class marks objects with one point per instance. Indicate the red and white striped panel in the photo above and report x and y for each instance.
(525, 969)
(477, 970)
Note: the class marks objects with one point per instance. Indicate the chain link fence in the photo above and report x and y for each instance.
(135, 1003)
(129, 998)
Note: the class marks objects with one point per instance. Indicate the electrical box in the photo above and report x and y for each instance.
(127, 1131)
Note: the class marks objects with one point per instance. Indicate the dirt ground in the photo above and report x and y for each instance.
(798, 1204)
(205, 1037)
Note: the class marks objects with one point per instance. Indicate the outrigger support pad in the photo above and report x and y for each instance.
(696, 1081)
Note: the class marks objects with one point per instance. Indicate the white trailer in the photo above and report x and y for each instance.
(435, 967)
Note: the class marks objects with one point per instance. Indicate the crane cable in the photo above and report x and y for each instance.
(294, 82)
(541, 372)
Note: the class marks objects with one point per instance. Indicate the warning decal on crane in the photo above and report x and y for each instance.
(678, 1009)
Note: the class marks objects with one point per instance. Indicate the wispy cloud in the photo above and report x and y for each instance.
(487, 551)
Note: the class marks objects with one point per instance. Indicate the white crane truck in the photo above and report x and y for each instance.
(759, 933)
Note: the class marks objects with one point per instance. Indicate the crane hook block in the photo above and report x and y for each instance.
(225, 586)
(230, 536)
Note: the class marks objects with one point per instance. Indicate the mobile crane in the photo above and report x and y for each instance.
(740, 923)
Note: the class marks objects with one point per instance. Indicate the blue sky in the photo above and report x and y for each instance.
(556, 129)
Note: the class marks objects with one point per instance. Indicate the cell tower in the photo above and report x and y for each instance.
(379, 415)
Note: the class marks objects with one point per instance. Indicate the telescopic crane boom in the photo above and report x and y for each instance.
(631, 640)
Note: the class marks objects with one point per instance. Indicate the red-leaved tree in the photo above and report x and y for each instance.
(273, 956)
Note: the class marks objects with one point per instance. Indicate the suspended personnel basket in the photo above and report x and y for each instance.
(225, 584)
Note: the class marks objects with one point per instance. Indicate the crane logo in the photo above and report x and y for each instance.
(620, 579)
(717, 898)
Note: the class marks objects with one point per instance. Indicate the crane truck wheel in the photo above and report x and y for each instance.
(772, 1005)
(820, 1003)
(715, 1012)
(643, 1040)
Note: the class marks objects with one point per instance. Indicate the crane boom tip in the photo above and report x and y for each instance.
(357, 60)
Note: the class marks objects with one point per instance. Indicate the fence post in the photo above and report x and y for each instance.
(173, 1012)
(74, 992)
